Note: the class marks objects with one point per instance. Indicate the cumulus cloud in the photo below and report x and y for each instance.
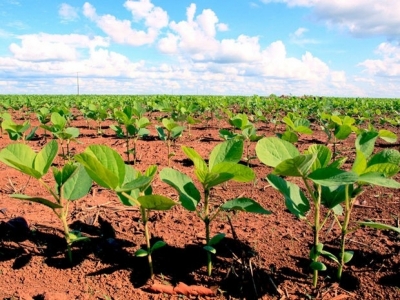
(358, 17)
(57, 47)
(68, 13)
(121, 31)
(389, 63)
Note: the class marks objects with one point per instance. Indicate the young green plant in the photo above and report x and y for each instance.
(130, 127)
(320, 178)
(71, 182)
(223, 165)
(107, 168)
(172, 131)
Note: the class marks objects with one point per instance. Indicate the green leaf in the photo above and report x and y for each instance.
(332, 177)
(385, 156)
(198, 161)
(139, 183)
(189, 195)
(156, 202)
(210, 249)
(387, 136)
(365, 142)
(216, 239)
(330, 255)
(379, 179)
(272, 151)
(342, 132)
(157, 245)
(40, 200)
(20, 157)
(295, 201)
(360, 163)
(324, 155)
(297, 166)
(104, 165)
(317, 265)
(141, 253)
(303, 129)
(332, 196)
(388, 169)
(347, 256)
(244, 204)
(241, 173)
(77, 185)
(379, 226)
(228, 151)
(289, 136)
(213, 179)
(97, 171)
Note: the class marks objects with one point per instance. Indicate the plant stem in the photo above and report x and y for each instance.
(316, 225)
(207, 224)
(143, 212)
(347, 213)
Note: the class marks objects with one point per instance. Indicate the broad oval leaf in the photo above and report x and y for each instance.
(241, 173)
(324, 155)
(45, 157)
(318, 266)
(272, 151)
(189, 195)
(365, 142)
(245, 204)
(379, 179)
(198, 161)
(295, 200)
(156, 202)
(228, 151)
(297, 166)
(388, 169)
(385, 156)
(77, 185)
(98, 172)
(216, 239)
(387, 136)
(141, 253)
(20, 157)
(347, 256)
(333, 177)
(104, 165)
(342, 132)
(157, 245)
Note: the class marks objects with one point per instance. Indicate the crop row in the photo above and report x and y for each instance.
(328, 190)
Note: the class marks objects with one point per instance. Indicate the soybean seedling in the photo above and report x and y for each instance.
(223, 166)
(320, 178)
(107, 168)
(71, 182)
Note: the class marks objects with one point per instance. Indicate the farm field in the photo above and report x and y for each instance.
(224, 148)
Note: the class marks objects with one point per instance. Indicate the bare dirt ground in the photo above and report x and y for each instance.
(262, 257)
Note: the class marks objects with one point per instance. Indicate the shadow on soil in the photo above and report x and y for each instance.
(236, 269)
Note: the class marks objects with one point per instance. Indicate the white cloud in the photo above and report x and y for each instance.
(121, 31)
(298, 37)
(68, 13)
(47, 47)
(154, 17)
(358, 17)
(222, 27)
(388, 65)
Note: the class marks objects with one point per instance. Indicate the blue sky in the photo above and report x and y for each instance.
(230, 47)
